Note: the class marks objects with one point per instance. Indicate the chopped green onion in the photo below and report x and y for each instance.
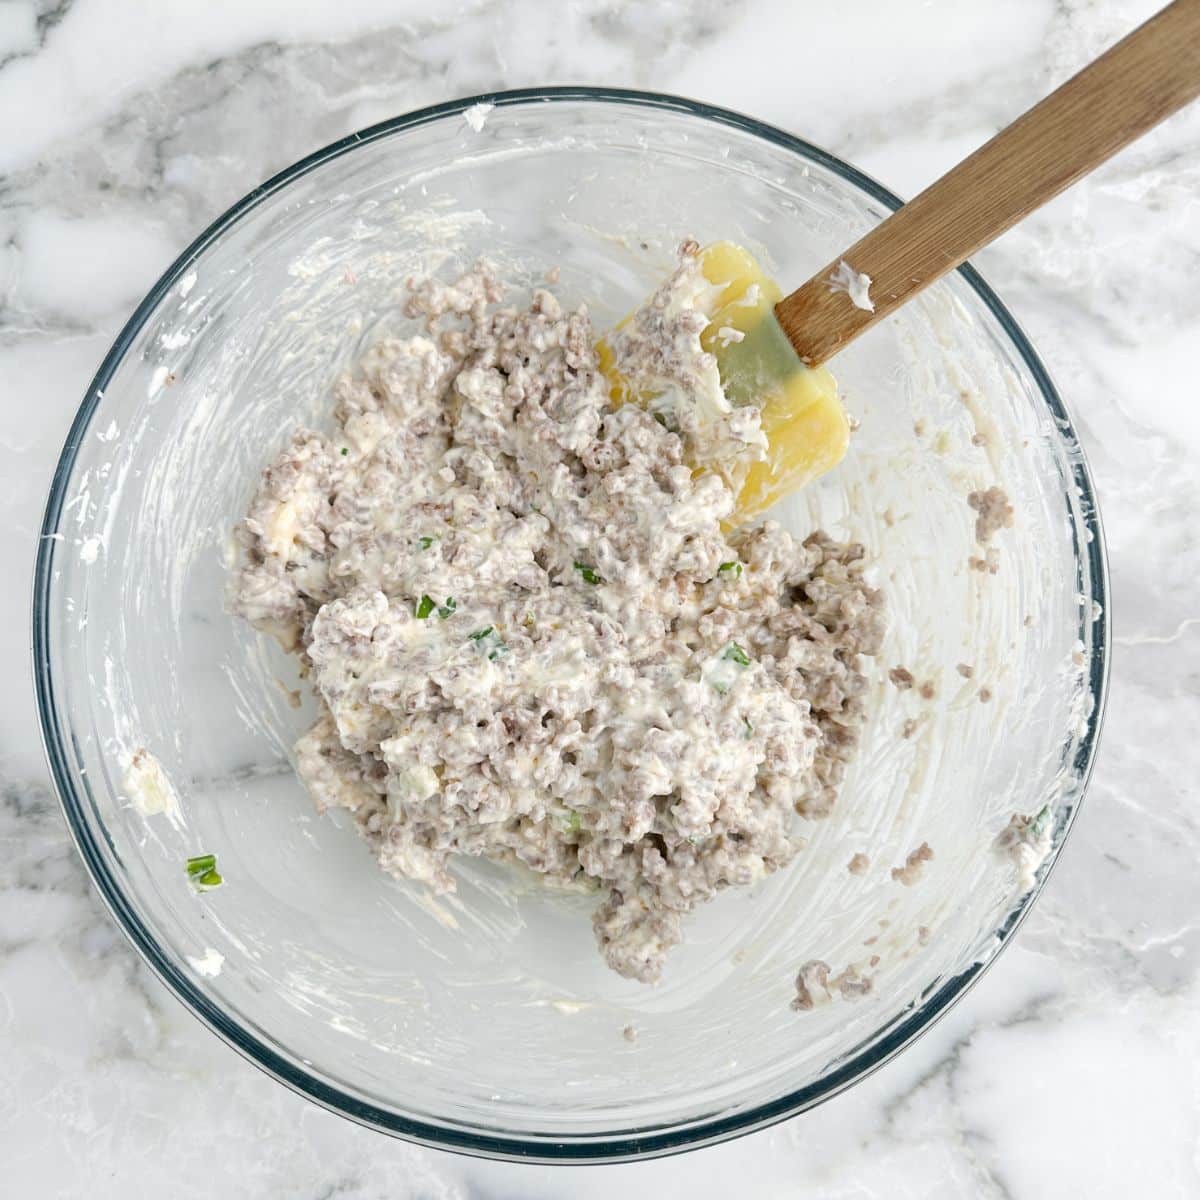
(589, 576)
(1040, 822)
(734, 653)
(345, 450)
(488, 640)
(426, 541)
(566, 820)
(447, 609)
(202, 871)
(730, 568)
(749, 727)
(425, 607)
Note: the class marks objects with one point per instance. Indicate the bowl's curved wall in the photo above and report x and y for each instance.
(487, 1020)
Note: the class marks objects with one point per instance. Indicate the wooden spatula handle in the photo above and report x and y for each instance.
(1142, 79)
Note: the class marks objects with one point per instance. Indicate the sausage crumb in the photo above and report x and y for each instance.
(851, 984)
(814, 985)
(927, 690)
(909, 727)
(995, 512)
(858, 864)
(985, 694)
(965, 670)
(914, 865)
(902, 677)
(630, 1033)
(813, 975)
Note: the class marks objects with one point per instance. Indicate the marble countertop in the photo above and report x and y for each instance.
(1074, 1067)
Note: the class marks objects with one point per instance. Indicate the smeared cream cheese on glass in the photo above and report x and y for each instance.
(530, 636)
(208, 964)
(147, 786)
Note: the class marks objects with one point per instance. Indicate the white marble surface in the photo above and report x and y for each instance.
(1074, 1068)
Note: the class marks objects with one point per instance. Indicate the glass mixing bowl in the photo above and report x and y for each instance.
(486, 1022)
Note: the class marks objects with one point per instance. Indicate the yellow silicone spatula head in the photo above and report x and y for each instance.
(805, 426)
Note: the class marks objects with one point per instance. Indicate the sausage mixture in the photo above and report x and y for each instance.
(530, 634)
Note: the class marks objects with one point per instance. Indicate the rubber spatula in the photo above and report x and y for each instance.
(779, 361)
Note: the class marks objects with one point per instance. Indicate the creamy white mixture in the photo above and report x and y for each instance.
(855, 284)
(1025, 841)
(208, 964)
(147, 786)
(530, 635)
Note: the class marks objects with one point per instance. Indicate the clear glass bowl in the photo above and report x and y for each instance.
(486, 1022)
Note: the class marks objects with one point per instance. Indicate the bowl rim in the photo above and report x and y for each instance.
(624, 1145)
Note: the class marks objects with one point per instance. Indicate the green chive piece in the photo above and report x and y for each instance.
(488, 640)
(345, 451)
(1040, 822)
(589, 576)
(448, 608)
(566, 820)
(425, 607)
(734, 653)
(730, 568)
(426, 541)
(202, 871)
(749, 727)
